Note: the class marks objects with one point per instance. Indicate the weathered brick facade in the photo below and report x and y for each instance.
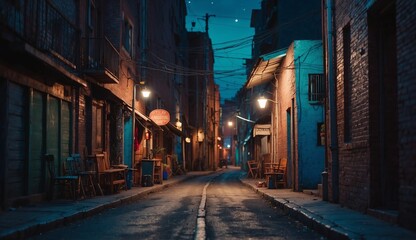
(406, 68)
(375, 52)
(67, 71)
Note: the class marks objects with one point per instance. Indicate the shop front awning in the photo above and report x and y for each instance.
(170, 127)
(145, 120)
(261, 130)
(265, 68)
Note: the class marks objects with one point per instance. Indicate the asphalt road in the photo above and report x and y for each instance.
(232, 212)
(237, 212)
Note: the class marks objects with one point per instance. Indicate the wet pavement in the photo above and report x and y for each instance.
(331, 220)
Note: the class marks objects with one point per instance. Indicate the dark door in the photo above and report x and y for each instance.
(37, 143)
(383, 108)
(16, 141)
(52, 136)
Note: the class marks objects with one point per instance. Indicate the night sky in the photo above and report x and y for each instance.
(231, 37)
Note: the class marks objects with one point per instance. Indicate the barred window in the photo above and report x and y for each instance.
(316, 88)
(128, 37)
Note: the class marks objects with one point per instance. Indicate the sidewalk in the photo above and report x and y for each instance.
(27, 221)
(331, 220)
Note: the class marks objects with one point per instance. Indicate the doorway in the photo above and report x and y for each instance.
(384, 177)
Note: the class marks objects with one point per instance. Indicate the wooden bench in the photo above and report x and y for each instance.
(111, 178)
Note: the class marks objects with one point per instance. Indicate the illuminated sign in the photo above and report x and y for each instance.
(160, 116)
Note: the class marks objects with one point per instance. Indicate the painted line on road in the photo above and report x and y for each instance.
(200, 224)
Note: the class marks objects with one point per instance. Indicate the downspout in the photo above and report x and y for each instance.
(325, 44)
(330, 65)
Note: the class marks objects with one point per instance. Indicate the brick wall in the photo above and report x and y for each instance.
(356, 171)
(353, 155)
(406, 53)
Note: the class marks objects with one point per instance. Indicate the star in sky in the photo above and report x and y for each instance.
(231, 35)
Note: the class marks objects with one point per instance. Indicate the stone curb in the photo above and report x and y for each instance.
(314, 221)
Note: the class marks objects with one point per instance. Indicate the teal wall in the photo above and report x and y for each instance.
(308, 60)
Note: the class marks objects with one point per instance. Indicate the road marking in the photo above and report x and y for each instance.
(200, 224)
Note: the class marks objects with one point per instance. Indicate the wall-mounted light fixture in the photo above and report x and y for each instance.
(263, 101)
(145, 92)
(201, 136)
(178, 124)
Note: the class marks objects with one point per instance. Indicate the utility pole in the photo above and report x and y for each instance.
(206, 19)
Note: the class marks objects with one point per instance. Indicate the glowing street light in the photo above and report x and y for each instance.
(263, 101)
(145, 94)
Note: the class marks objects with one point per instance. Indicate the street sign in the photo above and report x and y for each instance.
(160, 116)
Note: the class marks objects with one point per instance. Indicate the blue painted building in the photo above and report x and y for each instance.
(300, 89)
(295, 96)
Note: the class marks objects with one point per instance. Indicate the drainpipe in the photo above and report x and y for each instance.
(333, 147)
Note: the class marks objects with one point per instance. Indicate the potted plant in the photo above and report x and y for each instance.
(157, 152)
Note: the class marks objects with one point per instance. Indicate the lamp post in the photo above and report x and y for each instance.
(262, 101)
(145, 94)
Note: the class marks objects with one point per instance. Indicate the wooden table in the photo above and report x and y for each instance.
(271, 173)
(114, 177)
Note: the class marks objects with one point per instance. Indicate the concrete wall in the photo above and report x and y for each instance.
(297, 118)
(308, 60)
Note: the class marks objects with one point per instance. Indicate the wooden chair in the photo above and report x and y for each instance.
(87, 173)
(176, 167)
(281, 173)
(253, 168)
(158, 171)
(112, 179)
(70, 182)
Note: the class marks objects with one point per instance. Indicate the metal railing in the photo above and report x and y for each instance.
(100, 54)
(40, 24)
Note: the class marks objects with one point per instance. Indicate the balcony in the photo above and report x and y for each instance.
(100, 60)
(37, 29)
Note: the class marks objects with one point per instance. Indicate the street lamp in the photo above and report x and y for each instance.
(145, 94)
(263, 101)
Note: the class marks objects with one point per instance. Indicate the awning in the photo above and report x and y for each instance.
(248, 136)
(147, 119)
(261, 130)
(175, 130)
(141, 116)
(265, 68)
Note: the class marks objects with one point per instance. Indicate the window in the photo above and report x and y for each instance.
(128, 37)
(316, 88)
(346, 35)
(97, 128)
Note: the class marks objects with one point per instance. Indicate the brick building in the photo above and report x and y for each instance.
(67, 74)
(371, 135)
(203, 105)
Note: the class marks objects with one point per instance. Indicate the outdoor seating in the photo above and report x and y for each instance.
(276, 173)
(66, 182)
(253, 168)
(87, 174)
(158, 172)
(176, 167)
(282, 170)
(112, 179)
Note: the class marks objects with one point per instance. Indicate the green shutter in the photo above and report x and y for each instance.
(65, 130)
(36, 170)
